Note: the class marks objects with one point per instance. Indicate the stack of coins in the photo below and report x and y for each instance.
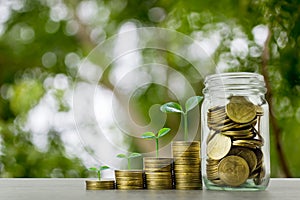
(187, 165)
(234, 143)
(129, 179)
(100, 185)
(158, 173)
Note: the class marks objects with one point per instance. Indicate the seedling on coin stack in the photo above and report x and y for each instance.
(151, 136)
(187, 162)
(99, 184)
(173, 107)
(158, 171)
(129, 179)
(128, 158)
(98, 170)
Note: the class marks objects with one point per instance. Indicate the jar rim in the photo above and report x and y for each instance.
(235, 81)
(234, 74)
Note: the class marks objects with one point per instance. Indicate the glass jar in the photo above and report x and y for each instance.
(235, 132)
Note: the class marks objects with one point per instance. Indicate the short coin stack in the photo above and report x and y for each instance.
(234, 143)
(129, 179)
(158, 173)
(100, 185)
(187, 165)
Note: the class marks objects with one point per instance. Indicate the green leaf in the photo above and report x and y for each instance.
(192, 103)
(121, 155)
(171, 107)
(148, 135)
(93, 169)
(134, 155)
(103, 168)
(163, 132)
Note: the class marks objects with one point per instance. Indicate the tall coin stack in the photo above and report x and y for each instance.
(100, 185)
(234, 143)
(158, 173)
(129, 179)
(187, 165)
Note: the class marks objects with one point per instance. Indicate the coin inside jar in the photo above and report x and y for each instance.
(233, 170)
(247, 154)
(240, 110)
(218, 147)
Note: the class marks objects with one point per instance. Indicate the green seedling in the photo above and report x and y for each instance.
(150, 135)
(129, 157)
(172, 107)
(99, 170)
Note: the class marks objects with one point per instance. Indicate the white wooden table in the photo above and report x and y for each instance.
(73, 189)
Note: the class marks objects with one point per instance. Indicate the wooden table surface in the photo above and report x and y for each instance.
(50, 189)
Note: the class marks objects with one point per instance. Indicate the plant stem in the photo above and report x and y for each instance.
(99, 175)
(128, 163)
(185, 124)
(156, 140)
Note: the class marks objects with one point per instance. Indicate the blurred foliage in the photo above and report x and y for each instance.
(43, 38)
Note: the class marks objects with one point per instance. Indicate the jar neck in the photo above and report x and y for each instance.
(236, 83)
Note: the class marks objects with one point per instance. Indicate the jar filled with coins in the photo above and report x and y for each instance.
(235, 132)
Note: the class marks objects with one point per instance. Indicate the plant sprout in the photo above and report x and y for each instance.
(98, 170)
(129, 157)
(172, 107)
(150, 135)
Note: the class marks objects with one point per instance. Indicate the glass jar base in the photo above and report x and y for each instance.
(248, 186)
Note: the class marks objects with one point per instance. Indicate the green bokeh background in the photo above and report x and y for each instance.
(37, 36)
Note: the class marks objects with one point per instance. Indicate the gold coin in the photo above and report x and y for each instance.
(260, 176)
(158, 169)
(184, 160)
(259, 156)
(129, 173)
(158, 160)
(217, 113)
(225, 127)
(259, 111)
(188, 180)
(218, 147)
(158, 176)
(99, 185)
(186, 143)
(156, 165)
(240, 110)
(212, 175)
(128, 178)
(218, 182)
(184, 148)
(211, 168)
(130, 182)
(215, 108)
(236, 133)
(124, 187)
(250, 136)
(159, 187)
(186, 154)
(210, 161)
(159, 182)
(187, 170)
(210, 136)
(253, 143)
(247, 154)
(187, 163)
(187, 175)
(233, 170)
(188, 185)
(246, 125)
